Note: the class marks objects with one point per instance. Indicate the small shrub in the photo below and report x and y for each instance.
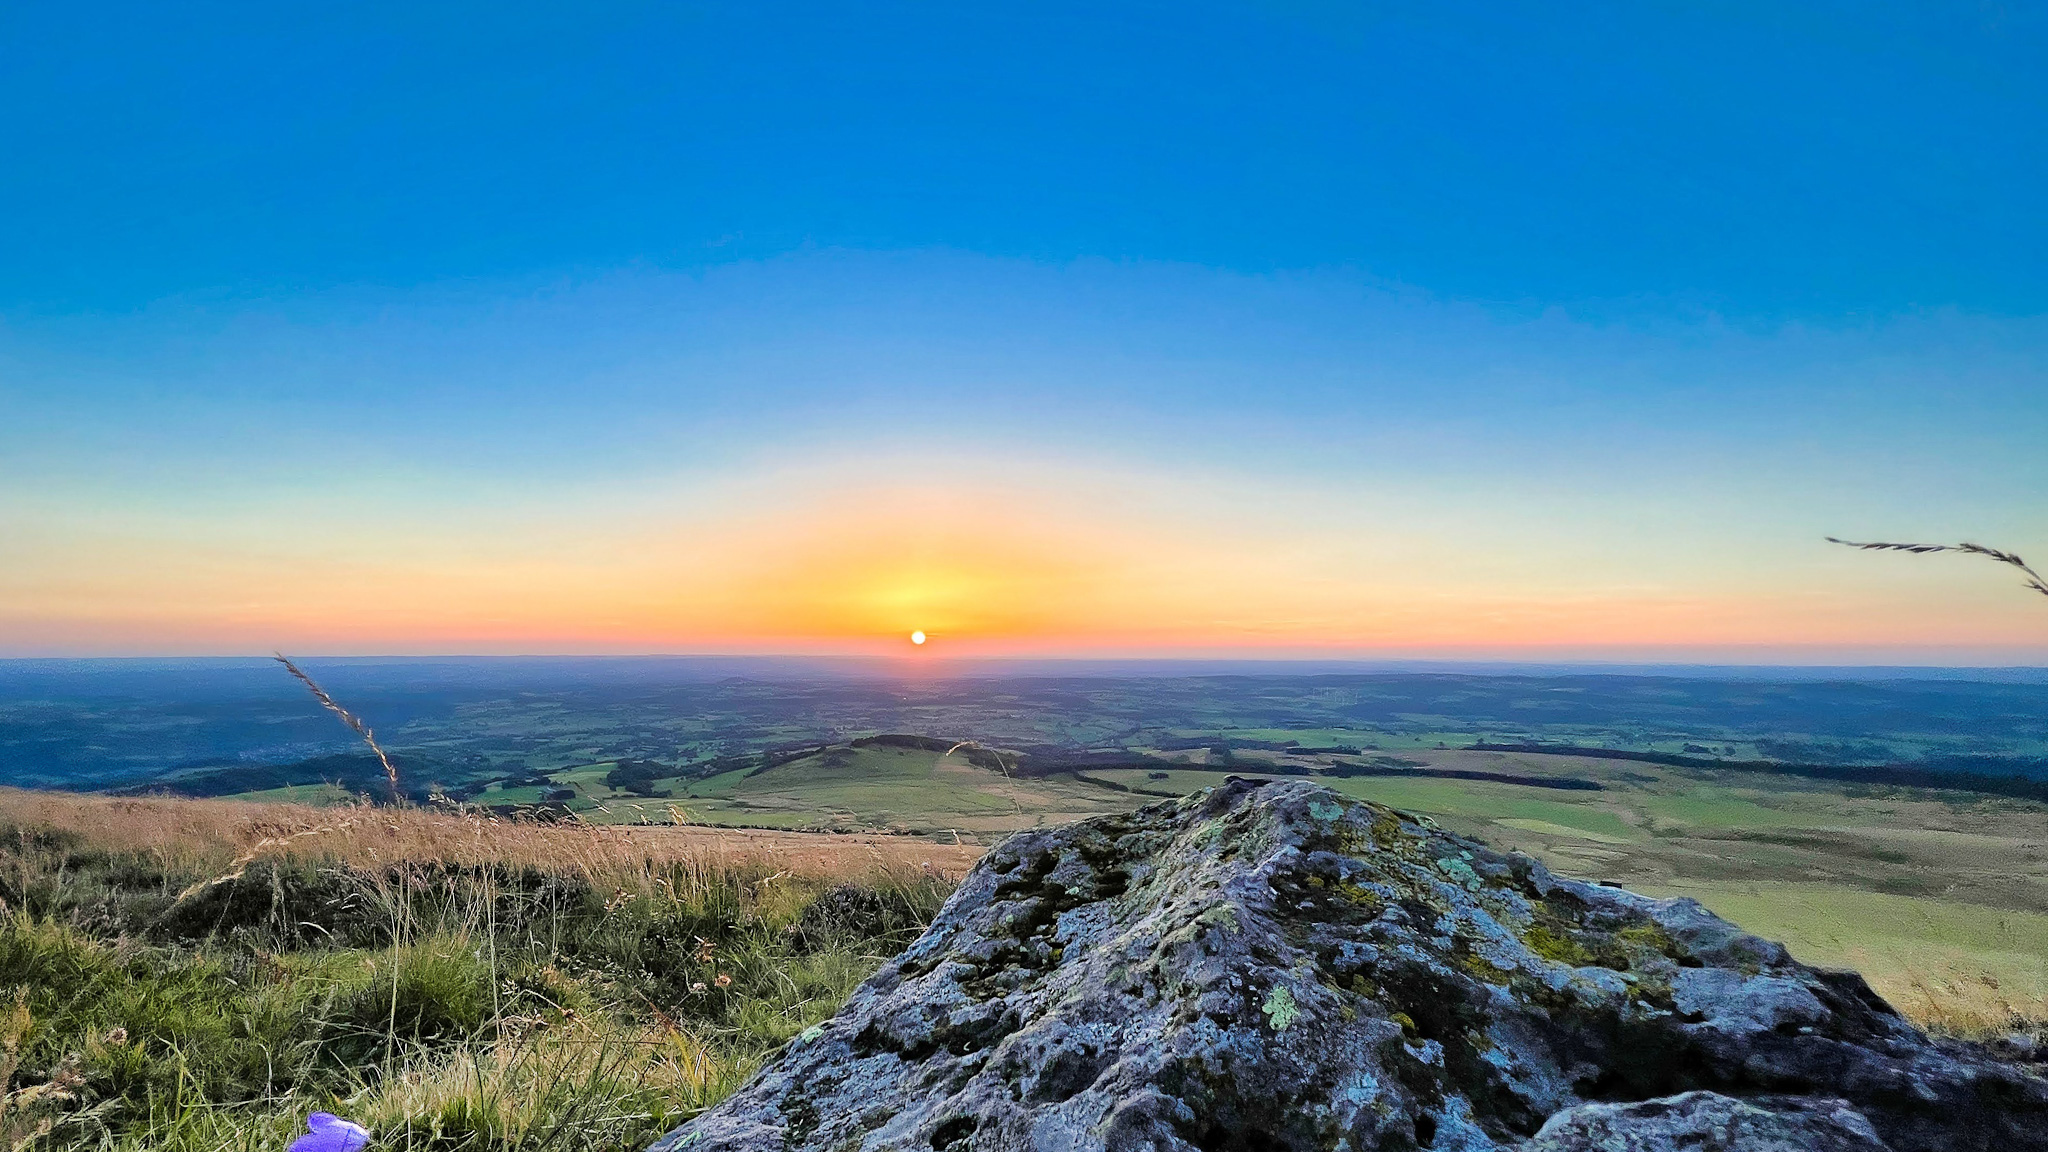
(282, 904)
(852, 913)
(435, 991)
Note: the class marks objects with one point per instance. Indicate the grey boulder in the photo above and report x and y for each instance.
(1272, 966)
(1709, 1122)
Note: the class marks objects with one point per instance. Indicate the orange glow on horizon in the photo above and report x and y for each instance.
(995, 571)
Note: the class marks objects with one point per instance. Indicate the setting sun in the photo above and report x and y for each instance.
(917, 637)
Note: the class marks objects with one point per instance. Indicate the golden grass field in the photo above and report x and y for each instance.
(203, 835)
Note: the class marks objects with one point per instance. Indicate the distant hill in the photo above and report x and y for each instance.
(359, 773)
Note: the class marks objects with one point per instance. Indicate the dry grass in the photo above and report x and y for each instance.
(355, 723)
(221, 836)
(513, 1092)
(2034, 580)
(27, 1113)
(1966, 1004)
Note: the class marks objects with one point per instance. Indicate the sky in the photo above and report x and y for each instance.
(1452, 331)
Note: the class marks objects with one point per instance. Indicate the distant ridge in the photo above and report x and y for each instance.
(1949, 773)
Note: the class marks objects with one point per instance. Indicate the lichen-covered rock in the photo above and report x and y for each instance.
(1267, 967)
(1709, 1122)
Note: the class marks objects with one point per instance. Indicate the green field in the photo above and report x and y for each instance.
(300, 794)
(888, 789)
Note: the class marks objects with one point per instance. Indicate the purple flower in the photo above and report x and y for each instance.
(330, 1133)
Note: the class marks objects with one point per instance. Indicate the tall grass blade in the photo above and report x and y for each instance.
(2034, 579)
(354, 722)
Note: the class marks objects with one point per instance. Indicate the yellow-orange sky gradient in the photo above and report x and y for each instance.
(849, 556)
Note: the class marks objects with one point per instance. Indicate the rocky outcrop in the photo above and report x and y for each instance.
(1266, 967)
(1710, 1122)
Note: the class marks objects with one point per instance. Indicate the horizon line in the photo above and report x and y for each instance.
(927, 662)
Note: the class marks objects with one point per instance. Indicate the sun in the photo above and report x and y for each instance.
(917, 637)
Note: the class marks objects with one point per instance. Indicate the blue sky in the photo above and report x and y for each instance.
(1768, 161)
(1463, 291)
